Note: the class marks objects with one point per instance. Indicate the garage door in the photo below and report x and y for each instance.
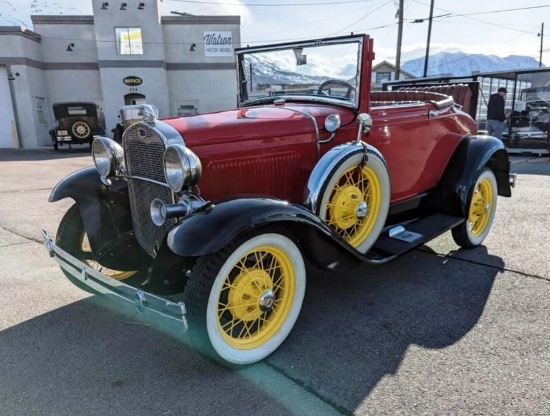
(6, 111)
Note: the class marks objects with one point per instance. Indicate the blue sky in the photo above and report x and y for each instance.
(474, 26)
(489, 27)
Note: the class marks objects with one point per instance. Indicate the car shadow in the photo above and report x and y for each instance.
(354, 329)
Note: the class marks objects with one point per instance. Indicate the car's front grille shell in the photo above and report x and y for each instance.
(144, 152)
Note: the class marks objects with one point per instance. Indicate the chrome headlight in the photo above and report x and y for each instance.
(332, 123)
(182, 167)
(108, 155)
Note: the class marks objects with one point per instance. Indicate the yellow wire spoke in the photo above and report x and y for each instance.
(229, 308)
(231, 286)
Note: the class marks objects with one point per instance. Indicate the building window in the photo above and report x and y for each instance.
(383, 76)
(128, 41)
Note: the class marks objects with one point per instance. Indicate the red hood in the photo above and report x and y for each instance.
(253, 123)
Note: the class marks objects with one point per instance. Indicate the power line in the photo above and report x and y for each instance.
(327, 3)
(362, 18)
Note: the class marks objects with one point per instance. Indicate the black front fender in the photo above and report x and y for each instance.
(209, 230)
(472, 155)
(105, 212)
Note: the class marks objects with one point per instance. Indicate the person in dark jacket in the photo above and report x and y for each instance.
(495, 114)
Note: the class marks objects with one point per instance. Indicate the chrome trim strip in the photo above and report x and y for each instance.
(295, 98)
(143, 179)
(317, 134)
(149, 305)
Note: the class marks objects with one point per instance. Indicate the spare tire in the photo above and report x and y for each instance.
(81, 131)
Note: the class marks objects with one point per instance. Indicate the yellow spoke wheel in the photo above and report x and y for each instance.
(354, 204)
(480, 207)
(255, 298)
(72, 238)
(115, 274)
(356, 199)
(481, 211)
(244, 300)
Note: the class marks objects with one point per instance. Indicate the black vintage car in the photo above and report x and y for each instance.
(76, 123)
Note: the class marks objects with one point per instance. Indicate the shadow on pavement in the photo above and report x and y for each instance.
(354, 329)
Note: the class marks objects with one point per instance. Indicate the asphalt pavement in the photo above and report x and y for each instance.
(440, 331)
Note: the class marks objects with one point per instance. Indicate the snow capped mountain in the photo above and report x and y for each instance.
(460, 64)
(267, 71)
(18, 12)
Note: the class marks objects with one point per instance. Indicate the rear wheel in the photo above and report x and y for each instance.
(481, 212)
(71, 237)
(244, 300)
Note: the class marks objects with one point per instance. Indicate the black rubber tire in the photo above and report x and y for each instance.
(462, 234)
(69, 237)
(202, 283)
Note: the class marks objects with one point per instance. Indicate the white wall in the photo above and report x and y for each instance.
(7, 119)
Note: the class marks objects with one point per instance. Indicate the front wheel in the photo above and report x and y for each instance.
(244, 300)
(71, 237)
(481, 212)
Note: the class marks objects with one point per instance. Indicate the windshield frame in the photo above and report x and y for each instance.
(242, 83)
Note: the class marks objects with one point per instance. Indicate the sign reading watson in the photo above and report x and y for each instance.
(218, 44)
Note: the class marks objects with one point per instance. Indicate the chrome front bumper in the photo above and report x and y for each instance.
(151, 307)
(513, 180)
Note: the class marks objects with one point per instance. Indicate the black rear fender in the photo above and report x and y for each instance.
(472, 155)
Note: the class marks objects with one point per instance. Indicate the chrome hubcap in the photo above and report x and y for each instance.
(266, 300)
(361, 210)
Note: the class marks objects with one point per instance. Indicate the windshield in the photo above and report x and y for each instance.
(317, 70)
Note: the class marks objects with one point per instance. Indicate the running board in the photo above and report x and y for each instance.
(400, 239)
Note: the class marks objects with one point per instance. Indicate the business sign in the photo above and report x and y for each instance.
(218, 44)
(132, 81)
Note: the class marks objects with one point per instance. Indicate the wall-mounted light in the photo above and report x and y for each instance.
(123, 6)
(192, 48)
(141, 6)
(104, 5)
(70, 47)
(11, 76)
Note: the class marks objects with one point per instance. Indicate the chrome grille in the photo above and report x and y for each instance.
(144, 152)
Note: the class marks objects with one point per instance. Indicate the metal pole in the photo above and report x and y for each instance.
(429, 36)
(399, 40)
(541, 38)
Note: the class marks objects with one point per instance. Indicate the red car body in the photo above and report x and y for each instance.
(219, 209)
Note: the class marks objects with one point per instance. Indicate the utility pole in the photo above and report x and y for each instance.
(399, 40)
(429, 36)
(541, 34)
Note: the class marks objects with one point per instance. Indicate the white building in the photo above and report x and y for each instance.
(126, 53)
(384, 72)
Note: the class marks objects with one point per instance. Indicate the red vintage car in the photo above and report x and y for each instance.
(207, 219)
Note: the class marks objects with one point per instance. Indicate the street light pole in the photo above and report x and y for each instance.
(429, 36)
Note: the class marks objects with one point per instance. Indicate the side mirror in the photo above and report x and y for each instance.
(365, 125)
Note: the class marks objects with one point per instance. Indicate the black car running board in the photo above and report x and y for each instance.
(399, 239)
